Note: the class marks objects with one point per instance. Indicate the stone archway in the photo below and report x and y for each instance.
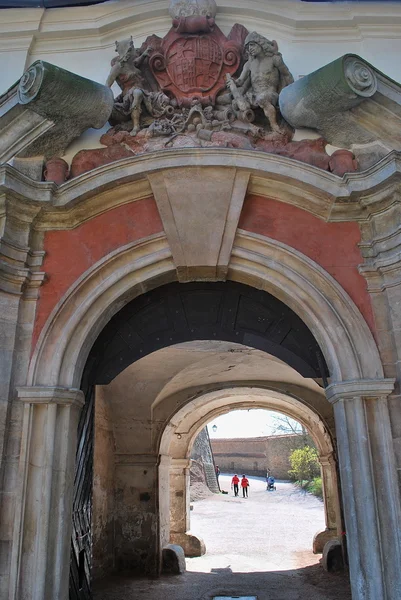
(180, 433)
(357, 388)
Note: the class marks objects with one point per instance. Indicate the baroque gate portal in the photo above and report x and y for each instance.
(229, 160)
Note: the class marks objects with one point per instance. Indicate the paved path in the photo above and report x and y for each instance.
(259, 546)
(267, 531)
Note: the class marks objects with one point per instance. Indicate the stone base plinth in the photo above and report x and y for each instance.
(173, 560)
(322, 538)
(191, 544)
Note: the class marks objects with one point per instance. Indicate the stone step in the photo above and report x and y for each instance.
(211, 478)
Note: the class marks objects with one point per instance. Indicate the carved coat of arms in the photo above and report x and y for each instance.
(189, 66)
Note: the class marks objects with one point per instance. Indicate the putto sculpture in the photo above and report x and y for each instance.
(126, 72)
(192, 66)
(263, 77)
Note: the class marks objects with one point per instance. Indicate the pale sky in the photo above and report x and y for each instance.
(245, 423)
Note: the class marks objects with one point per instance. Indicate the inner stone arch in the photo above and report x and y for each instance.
(181, 431)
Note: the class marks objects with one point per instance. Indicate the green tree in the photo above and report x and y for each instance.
(304, 464)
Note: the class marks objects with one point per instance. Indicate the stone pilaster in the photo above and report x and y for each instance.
(381, 250)
(180, 509)
(20, 278)
(332, 510)
(42, 529)
(179, 495)
(372, 515)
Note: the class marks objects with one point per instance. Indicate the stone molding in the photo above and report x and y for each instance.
(381, 246)
(355, 197)
(193, 200)
(362, 388)
(56, 30)
(76, 213)
(134, 268)
(356, 117)
(192, 417)
(51, 395)
(315, 296)
(19, 265)
(257, 261)
(179, 464)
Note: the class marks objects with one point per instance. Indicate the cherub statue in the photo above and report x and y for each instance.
(263, 77)
(125, 71)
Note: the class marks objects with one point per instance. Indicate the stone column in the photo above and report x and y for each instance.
(332, 511)
(42, 534)
(372, 515)
(180, 509)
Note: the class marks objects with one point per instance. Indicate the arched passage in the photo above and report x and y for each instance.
(181, 431)
(342, 334)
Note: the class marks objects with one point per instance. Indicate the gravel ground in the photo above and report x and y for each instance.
(259, 546)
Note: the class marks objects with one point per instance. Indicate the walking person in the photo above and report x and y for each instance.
(234, 484)
(245, 486)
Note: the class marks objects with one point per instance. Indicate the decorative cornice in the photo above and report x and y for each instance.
(365, 388)
(75, 213)
(20, 281)
(51, 395)
(179, 464)
(355, 197)
(19, 265)
(95, 27)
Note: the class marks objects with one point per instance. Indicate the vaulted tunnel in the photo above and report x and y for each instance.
(228, 312)
(177, 313)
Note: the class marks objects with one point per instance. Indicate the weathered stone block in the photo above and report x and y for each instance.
(332, 559)
(173, 560)
(191, 544)
(321, 539)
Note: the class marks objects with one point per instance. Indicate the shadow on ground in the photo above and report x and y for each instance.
(308, 583)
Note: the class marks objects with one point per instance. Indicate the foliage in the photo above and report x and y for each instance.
(304, 464)
(315, 487)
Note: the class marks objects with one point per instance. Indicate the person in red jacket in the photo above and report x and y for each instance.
(234, 484)
(245, 486)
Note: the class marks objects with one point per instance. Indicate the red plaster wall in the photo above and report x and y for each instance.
(69, 253)
(332, 245)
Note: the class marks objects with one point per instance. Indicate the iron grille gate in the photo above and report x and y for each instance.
(81, 540)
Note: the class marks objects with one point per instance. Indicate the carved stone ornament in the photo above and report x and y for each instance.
(63, 104)
(195, 65)
(192, 8)
(196, 79)
(197, 87)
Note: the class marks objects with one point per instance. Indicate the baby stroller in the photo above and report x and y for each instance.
(271, 484)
